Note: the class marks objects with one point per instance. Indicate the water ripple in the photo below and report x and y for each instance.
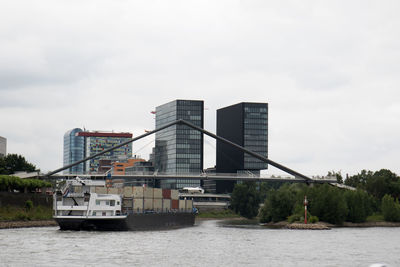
(207, 244)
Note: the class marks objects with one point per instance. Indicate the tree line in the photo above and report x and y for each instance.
(12, 163)
(376, 193)
(11, 183)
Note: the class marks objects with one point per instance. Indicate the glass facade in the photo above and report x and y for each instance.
(245, 124)
(74, 150)
(179, 149)
(96, 144)
(80, 144)
(255, 119)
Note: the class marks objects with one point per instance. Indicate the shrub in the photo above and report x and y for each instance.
(22, 216)
(295, 218)
(313, 219)
(28, 205)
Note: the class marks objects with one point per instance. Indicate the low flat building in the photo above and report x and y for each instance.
(140, 167)
(119, 168)
(207, 201)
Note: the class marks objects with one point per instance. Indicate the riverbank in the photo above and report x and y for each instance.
(234, 222)
(243, 222)
(24, 224)
(370, 224)
(326, 226)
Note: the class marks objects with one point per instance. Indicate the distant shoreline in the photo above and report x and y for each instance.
(325, 225)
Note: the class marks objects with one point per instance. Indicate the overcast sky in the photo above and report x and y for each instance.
(330, 71)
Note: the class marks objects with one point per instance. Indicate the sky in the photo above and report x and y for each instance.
(329, 71)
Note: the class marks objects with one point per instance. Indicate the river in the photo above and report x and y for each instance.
(206, 244)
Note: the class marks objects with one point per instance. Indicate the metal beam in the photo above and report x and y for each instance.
(204, 177)
(256, 155)
(110, 149)
(182, 122)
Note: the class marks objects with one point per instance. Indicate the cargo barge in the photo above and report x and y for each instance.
(90, 205)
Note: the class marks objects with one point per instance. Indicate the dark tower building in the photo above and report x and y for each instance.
(245, 124)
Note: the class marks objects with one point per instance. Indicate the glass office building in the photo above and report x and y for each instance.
(245, 124)
(179, 149)
(74, 150)
(96, 142)
(255, 120)
(80, 144)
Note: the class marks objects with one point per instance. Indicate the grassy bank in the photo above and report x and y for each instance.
(376, 217)
(12, 213)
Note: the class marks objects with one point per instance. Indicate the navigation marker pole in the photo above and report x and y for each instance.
(305, 209)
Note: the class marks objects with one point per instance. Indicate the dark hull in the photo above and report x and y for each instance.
(134, 222)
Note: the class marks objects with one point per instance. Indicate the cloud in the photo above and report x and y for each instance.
(329, 72)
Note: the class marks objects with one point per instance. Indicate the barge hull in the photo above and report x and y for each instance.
(133, 222)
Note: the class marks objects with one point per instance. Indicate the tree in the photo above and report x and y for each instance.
(359, 204)
(338, 175)
(359, 180)
(10, 183)
(328, 203)
(390, 209)
(383, 182)
(279, 204)
(13, 163)
(245, 200)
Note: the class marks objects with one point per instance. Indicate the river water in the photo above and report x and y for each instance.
(206, 244)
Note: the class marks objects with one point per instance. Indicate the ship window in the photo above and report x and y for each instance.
(117, 202)
(97, 202)
(94, 213)
(112, 203)
(104, 214)
(108, 203)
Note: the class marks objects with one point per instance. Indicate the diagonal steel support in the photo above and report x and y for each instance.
(111, 149)
(182, 122)
(256, 155)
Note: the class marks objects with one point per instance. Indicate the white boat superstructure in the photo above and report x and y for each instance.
(77, 199)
